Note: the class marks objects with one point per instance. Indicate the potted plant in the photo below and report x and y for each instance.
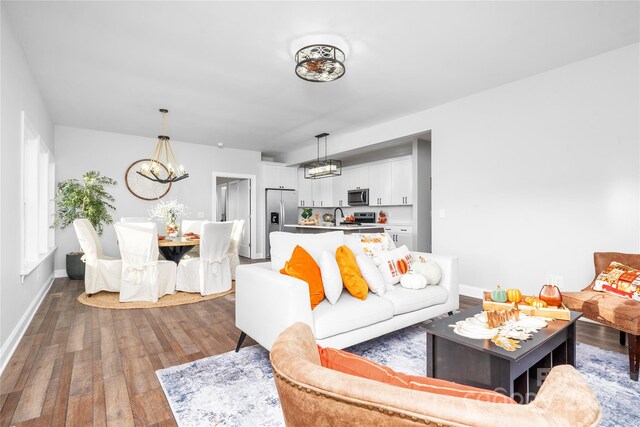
(86, 198)
(169, 212)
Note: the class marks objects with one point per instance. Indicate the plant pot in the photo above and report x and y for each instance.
(75, 266)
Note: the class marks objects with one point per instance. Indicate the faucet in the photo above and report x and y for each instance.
(334, 215)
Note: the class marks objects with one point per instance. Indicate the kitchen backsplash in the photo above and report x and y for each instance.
(396, 215)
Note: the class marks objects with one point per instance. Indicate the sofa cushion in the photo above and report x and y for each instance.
(621, 313)
(282, 245)
(352, 364)
(349, 313)
(407, 300)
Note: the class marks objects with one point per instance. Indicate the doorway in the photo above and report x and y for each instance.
(234, 200)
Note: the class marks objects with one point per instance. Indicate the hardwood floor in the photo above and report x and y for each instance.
(79, 365)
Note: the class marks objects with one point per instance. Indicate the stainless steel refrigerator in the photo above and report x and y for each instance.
(282, 209)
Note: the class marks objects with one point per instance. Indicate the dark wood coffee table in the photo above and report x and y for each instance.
(480, 363)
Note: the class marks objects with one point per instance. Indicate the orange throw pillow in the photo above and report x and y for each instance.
(350, 273)
(302, 266)
(348, 363)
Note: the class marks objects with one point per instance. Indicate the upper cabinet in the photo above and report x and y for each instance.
(358, 177)
(340, 187)
(322, 192)
(274, 176)
(380, 184)
(402, 181)
(305, 190)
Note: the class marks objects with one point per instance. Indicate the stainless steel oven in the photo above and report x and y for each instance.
(359, 197)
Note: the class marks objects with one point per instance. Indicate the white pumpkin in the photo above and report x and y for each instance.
(413, 281)
(430, 270)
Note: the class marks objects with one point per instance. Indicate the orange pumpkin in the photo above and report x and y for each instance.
(538, 303)
(403, 266)
(528, 300)
(514, 295)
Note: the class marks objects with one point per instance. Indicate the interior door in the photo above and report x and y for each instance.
(244, 212)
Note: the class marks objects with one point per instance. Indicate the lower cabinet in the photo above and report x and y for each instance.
(401, 235)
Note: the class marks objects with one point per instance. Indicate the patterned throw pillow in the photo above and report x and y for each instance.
(393, 264)
(619, 279)
(374, 243)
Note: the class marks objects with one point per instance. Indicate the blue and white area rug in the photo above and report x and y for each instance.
(237, 389)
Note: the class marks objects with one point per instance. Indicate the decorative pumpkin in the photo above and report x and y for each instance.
(428, 269)
(498, 295)
(528, 300)
(538, 303)
(514, 295)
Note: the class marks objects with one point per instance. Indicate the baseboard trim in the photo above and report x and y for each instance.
(62, 273)
(471, 291)
(16, 335)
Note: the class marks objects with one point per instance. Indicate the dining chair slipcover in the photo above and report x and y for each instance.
(236, 235)
(144, 277)
(102, 273)
(211, 272)
(192, 226)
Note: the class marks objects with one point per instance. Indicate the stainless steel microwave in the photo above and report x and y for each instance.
(359, 197)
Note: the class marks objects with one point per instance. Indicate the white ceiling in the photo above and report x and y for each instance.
(225, 70)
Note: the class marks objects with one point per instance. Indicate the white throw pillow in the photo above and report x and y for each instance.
(331, 279)
(413, 281)
(393, 264)
(353, 243)
(371, 274)
(374, 243)
(283, 244)
(429, 269)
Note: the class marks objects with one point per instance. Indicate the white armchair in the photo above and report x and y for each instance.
(210, 273)
(144, 277)
(102, 273)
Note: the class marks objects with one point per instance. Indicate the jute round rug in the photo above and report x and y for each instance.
(111, 300)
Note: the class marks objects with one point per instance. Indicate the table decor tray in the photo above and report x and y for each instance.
(553, 312)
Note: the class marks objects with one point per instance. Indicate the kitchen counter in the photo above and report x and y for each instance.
(365, 228)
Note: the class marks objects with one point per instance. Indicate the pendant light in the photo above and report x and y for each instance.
(162, 166)
(322, 168)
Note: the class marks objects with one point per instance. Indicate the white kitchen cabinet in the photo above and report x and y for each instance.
(402, 181)
(339, 190)
(305, 190)
(401, 235)
(380, 184)
(274, 176)
(322, 190)
(358, 177)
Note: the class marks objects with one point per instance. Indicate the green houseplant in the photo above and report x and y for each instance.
(86, 198)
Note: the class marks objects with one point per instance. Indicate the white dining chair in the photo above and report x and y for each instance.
(134, 219)
(192, 226)
(144, 277)
(211, 272)
(236, 236)
(102, 273)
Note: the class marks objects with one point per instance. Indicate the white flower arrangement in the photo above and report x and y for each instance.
(169, 212)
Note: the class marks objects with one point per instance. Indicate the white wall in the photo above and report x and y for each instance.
(534, 176)
(19, 93)
(81, 150)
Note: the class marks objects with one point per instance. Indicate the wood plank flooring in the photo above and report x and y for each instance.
(78, 365)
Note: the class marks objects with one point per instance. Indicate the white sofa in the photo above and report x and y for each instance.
(267, 302)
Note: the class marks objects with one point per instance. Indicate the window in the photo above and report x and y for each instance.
(38, 191)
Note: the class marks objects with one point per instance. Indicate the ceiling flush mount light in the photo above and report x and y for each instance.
(320, 63)
(163, 166)
(322, 168)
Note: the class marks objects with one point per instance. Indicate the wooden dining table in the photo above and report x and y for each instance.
(174, 248)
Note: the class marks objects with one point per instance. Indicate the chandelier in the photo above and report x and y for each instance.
(322, 168)
(163, 166)
(320, 63)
